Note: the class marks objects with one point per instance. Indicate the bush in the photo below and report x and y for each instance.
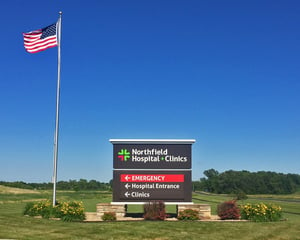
(240, 195)
(71, 211)
(188, 214)
(42, 208)
(261, 212)
(67, 211)
(109, 216)
(155, 210)
(228, 210)
(29, 209)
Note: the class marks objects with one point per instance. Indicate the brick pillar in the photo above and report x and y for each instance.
(119, 209)
(203, 209)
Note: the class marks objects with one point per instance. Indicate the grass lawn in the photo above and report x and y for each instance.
(13, 225)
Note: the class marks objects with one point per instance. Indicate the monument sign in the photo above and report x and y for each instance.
(146, 170)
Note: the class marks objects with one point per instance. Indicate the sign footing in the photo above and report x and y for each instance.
(141, 203)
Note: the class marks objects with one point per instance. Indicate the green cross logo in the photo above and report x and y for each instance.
(124, 155)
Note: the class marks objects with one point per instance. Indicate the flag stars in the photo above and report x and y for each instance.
(49, 31)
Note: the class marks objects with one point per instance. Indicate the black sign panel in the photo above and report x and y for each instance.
(141, 186)
(152, 156)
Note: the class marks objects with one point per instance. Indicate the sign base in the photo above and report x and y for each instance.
(141, 203)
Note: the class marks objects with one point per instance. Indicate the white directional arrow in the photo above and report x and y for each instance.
(127, 178)
(127, 194)
(127, 185)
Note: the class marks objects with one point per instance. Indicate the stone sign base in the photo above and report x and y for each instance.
(203, 209)
(121, 210)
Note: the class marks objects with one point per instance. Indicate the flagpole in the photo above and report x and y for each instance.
(58, 29)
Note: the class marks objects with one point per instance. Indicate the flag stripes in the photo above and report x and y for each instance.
(40, 40)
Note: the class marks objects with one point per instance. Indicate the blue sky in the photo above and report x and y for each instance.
(226, 73)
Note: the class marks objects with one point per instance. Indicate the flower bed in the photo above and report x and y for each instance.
(261, 212)
(66, 211)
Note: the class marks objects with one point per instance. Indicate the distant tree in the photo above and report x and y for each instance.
(93, 185)
(211, 185)
(211, 173)
(233, 182)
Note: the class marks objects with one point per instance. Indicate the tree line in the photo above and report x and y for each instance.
(76, 185)
(261, 182)
(227, 182)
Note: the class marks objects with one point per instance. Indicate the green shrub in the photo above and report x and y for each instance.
(239, 195)
(71, 211)
(29, 209)
(109, 216)
(42, 208)
(228, 210)
(67, 211)
(188, 214)
(155, 210)
(261, 212)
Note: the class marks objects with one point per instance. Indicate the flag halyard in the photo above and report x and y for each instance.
(41, 39)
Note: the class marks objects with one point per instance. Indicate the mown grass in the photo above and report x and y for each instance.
(13, 225)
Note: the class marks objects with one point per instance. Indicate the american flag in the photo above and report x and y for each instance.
(40, 40)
